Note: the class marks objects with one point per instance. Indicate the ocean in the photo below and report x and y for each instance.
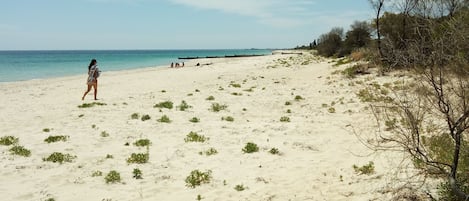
(41, 64)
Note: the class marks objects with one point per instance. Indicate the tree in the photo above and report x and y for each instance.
(429, 118)
(378, 6)
(358, 36)
(330, 43)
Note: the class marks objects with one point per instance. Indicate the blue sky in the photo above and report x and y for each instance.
(171, 24)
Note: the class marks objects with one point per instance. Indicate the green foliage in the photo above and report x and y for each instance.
(331, 110)
(298, 98)
(137, 173)
(216, 107)
(56, 138)
(183, 106)
(228, 118)
(104, 134)
(445, 192)
(139, 158)
(194, 120)
(97, 173)
(330, 43)
(88, 105)
(8, 140)
(195, 137)
(134, 116)
(210, 98)
(58, 157)
(20, 151)
(164, 119)
(165, 104)
(441, 148)
(250, 148)
(209, 152)
(366, 169)
(284, 119)
(274, 151)
(351, 72)
(113, 177)
(288, 103)
(197, 178)
(235, 85)
(142, 143)
(240, 187)
(146, 117)
(46, 130)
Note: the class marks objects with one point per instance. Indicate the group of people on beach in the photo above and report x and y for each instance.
(176, 65)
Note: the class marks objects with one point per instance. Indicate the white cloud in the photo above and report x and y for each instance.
(277, 13)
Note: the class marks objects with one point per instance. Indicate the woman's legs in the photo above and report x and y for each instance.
(95, 86)
(88, 90)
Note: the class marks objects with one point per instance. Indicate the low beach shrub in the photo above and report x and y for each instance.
(58, 157)
(194, 120)
(164, 119)
(366, 169)
(235, 85)
(8, 140)
(288, 103)
(165, 104)
(146, 117)
(183, 106)
(138, 158)
(104, 134)
(298, 98)
(210, 98)
(137, 173)
(209, 152)
(97, 173)
(195, 137)
(88, 105)
(20, 151)
(217, 107)
(240, 187)
(113, 177)
(135, 116)
(331, 110)
(228, 118)
(197, 178)
(250, 148)
(284, 119)
(56, 138)
(142, 143)
(46, 130)
(274, 151)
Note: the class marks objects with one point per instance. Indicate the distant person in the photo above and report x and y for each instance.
(93, 74)
(198, 64)
(182, 64)
(172, 65)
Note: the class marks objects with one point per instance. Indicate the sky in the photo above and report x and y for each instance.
(172, 24)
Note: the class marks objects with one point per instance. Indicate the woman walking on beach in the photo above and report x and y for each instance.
(93, 74)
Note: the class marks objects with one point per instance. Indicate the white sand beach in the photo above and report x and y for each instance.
(317, 147)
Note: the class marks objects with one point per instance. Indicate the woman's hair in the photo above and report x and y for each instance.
(93, 62)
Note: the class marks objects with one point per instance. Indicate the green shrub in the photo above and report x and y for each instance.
(20, 151)
(183, 106)
(8, 140)
(288, 103)
(113, 177)
(139, 158)
(235, 85)
(209, 152)
(298, 98)
(366, 169)
(142, 143)
(228, 118)
(216, 107)
(146, 117)
(250, 148)
(134, 116)
(197, 178)
(58, 157)
(284, 119)
(195, 137)
(164, 119)
(194, 120)
(137, 173)
(97, 173)
(210, 98)
(56, 138)
(46, 130)
(240, 187)
(331, 110)
(88, 105)
(104, 134)
(274, 151)
(165, 104)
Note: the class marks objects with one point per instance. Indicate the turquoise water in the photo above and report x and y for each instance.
(27, 65)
